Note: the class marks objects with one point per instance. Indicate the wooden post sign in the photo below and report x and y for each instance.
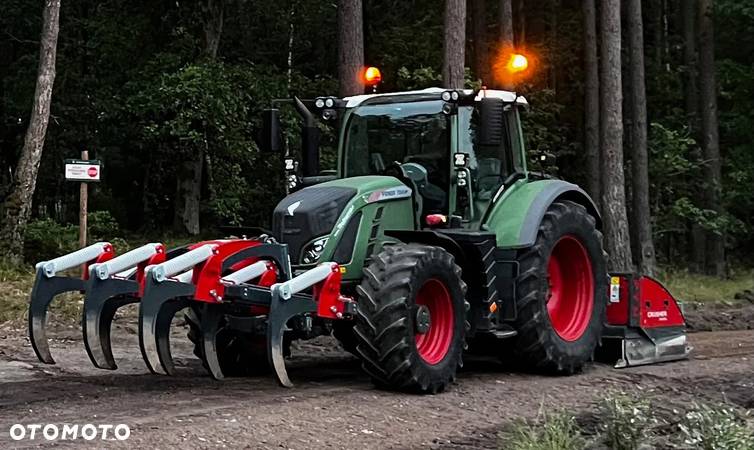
(84, 171)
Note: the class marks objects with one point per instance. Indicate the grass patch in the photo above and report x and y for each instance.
(15, 286)
(16, 282)
(557, 431)
(689, 287)
(623, 422)
(712, 428)
(626, 422)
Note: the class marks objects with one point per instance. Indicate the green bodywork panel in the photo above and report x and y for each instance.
(394, 214)
(515, 216)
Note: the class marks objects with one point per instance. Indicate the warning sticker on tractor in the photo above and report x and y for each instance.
(80, 170)
(614, 289)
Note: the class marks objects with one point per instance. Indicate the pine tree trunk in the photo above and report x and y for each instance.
(350, 47)
(479, 36)
(213, 15)
(553, 39)
(505, 42)
(506, 23)
(520, 15)
(641, 225)
(188, 195)
(709, 132)
(611, 137)
(454, 44)
(17, 207)
(691, 97)
(591, 100)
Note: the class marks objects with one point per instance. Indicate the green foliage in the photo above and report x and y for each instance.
(45, 239)
(102, 226)
(676, 177)
(719, 427)
(134, 88)
(426, 77)
(419, 78)
(545, 133)
(626, 422)
(557, 431)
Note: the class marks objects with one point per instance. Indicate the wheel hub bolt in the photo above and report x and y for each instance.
(423, 321)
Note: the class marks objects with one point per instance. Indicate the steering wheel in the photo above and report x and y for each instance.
(394, 169)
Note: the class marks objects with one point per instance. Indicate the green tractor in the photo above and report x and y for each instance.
(429, 239)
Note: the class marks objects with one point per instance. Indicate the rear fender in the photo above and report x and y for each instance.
(516, 216)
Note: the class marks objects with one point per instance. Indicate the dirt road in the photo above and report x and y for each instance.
(334, 405)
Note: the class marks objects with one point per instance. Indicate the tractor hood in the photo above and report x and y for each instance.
(313, 212)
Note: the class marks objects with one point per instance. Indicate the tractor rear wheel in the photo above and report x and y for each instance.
(411, 320)
(561, 292)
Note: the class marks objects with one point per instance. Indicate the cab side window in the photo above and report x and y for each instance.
(490, 165)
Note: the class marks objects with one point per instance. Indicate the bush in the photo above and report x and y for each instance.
(46, 239)
(102, 226)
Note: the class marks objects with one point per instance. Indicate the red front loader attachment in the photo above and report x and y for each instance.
(645, 324)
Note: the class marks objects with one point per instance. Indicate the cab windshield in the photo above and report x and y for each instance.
(380, 135)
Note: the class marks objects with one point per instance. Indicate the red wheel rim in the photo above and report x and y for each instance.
(435, 343)
(571, 294)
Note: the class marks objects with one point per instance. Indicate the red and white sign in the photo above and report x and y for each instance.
(83, 170)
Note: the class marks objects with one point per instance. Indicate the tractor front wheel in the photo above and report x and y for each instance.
(411, 320)
(561, 292)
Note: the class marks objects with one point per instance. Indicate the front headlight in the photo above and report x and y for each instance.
(313, 251)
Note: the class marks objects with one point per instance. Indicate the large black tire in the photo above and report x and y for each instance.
(342, 330)
(566, 266)
(239, 354)
(386, 323)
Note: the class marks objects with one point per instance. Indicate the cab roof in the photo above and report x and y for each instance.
(506, 96)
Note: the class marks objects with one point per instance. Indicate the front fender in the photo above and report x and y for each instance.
(516, 215)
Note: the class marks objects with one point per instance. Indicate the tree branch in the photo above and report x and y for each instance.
(21, 41)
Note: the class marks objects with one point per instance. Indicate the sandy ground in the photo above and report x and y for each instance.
(333, 404)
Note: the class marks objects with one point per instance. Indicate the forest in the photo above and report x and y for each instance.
(647, 105)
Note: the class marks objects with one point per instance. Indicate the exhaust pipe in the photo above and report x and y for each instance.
(310, 135)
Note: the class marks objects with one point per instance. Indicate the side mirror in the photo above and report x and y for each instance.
(491, 130)
(270, 138)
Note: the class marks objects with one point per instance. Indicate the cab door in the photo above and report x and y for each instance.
(485, 161)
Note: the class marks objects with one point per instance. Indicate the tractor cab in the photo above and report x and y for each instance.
(455, 149)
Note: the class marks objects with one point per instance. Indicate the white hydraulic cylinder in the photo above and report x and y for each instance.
(185, 277)
(247, 273)
(77, 258)
(126, 260)
(304, 281)
(179, 264)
